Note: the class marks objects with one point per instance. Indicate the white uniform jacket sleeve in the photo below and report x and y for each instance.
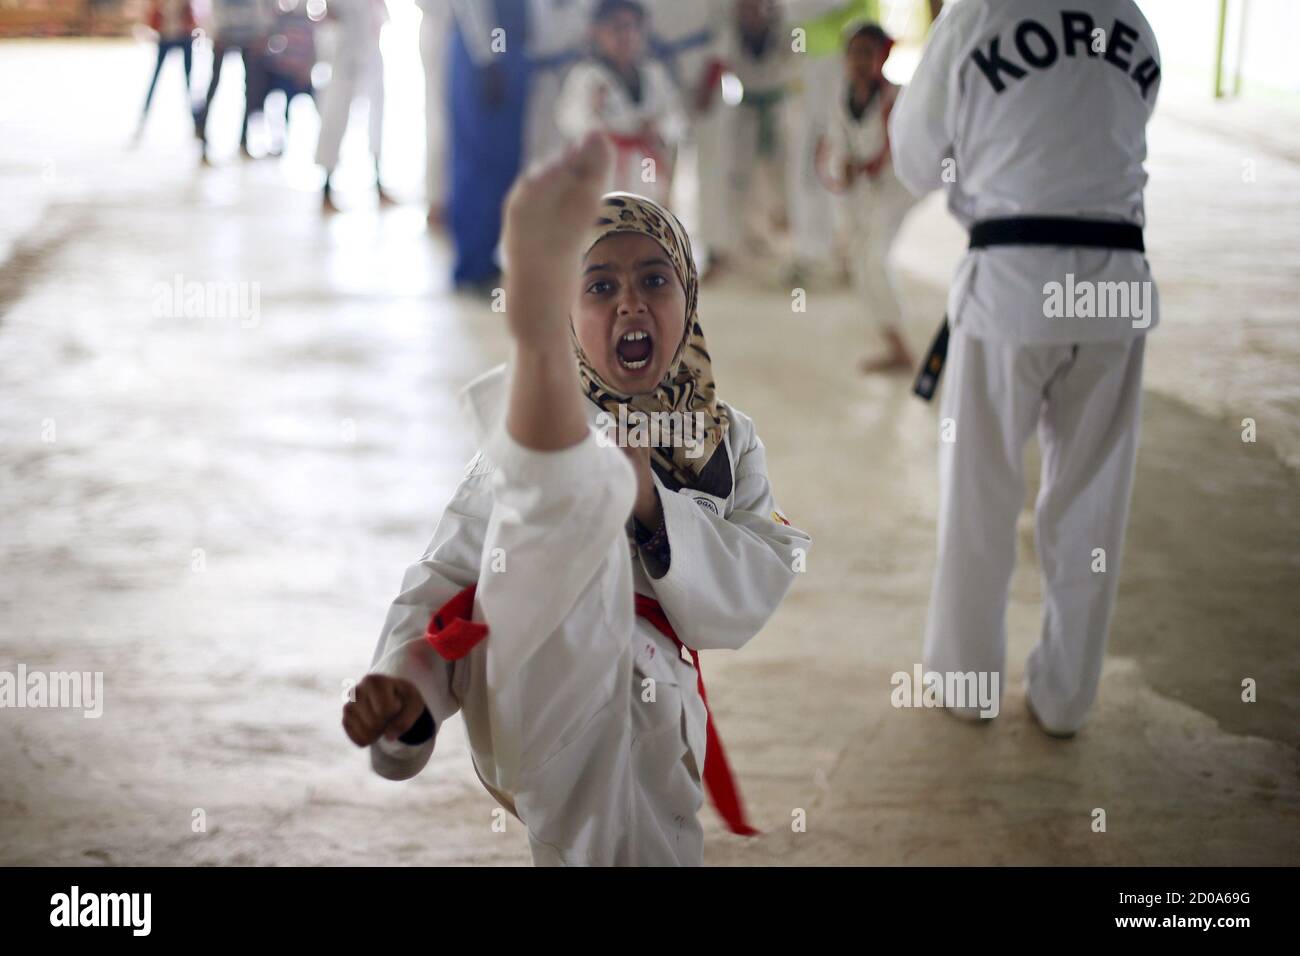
(728, 574)
(450, 564)
(923, 122)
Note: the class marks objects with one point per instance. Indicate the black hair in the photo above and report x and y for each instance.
(866, 29)
(609, 8)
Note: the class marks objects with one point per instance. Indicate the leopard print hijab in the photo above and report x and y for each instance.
(688, 385)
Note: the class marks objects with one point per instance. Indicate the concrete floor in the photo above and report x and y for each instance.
(226, 509)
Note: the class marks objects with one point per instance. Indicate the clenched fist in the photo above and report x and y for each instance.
(382, 707)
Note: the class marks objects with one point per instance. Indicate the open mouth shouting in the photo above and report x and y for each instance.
(634, 350)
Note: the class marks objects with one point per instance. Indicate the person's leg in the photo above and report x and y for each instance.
(1089, 436)
(335, 107)
(163, 47)
(810, 210)
(743, 162)
(715, 139)
(374, 93)
(486, 148)
(774, 173)
(992, 394)
(853, 212)
(188, 52)
(289, 94)
(433, 50)
(879, 284)
(218, 56)
(251, 85)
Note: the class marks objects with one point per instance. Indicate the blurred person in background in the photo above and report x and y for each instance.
(872, 198)
(557, 39)
(356, 73)
(758, 52)
(489, 80)
(435, 34)
(173, 21)
(237, 26)
(630, 98)
(684, 36)
(283, 62)
(820, 75)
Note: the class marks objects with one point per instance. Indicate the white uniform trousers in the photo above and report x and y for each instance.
(1085, 401)
(810, 202)
(353, 76)
(435, 28)
(876, 212)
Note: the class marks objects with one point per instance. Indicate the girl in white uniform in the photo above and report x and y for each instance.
(628, 97)
(594, 567)
(874, 201)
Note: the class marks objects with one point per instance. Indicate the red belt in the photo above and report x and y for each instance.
(633, 145)
(453, 635)
(629, 142)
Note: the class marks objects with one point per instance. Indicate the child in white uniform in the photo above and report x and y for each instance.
(875, 202)
(356, 72)
(632, 99)
(757, 50)
(557, 39)
(594, 566)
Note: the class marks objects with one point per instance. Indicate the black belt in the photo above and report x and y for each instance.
(1054, 231)
(1028, 231)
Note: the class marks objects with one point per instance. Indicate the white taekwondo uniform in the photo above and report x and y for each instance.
(811, 208)
(555, 697)
(758, 149)
(1035, 108)
(356, 72)
(873, 207)
(686, 34)
(594, 98)
(557, 39)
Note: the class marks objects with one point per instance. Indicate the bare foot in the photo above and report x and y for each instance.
(887, 364)
(548, 215)
(437, 218)
(384, 198)
(327, 205)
